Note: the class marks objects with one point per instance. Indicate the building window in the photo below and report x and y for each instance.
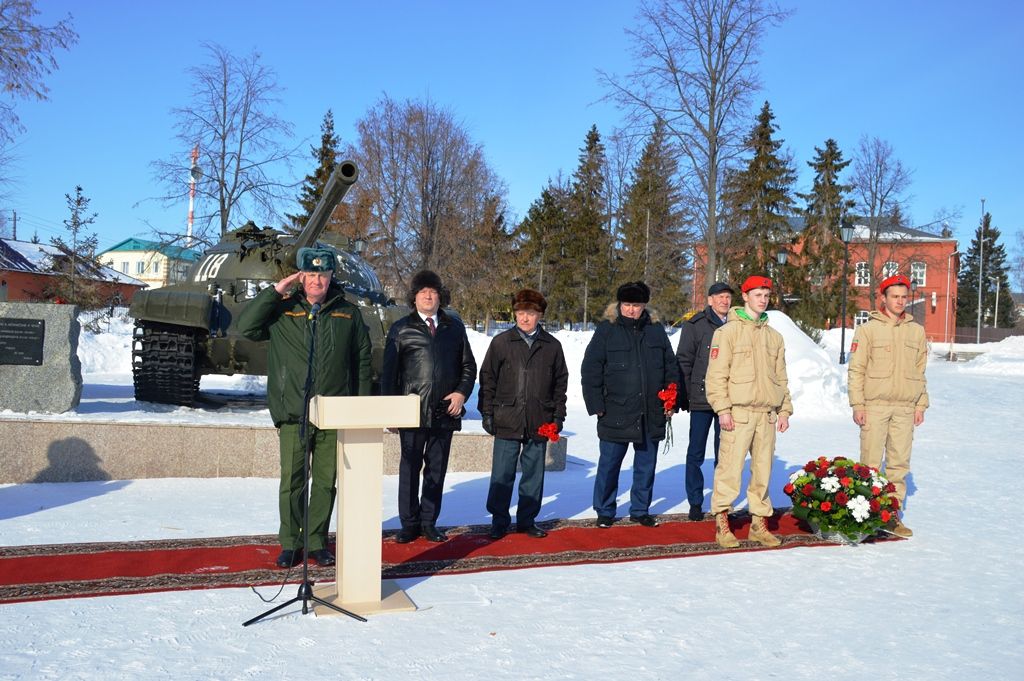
(124, 267)
(918, 273)
(140, 267)
(863, 277)
(890, 269)
(860, 318)
(156, 267)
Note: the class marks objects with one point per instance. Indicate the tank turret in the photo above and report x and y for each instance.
(187, 329)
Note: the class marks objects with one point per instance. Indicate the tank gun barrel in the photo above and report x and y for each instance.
(341, 180)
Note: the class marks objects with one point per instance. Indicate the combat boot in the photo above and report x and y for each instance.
(759, 533)
(723, 535)
(899, 529)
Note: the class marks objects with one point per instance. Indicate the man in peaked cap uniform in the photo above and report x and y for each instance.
(283, 314)
(887, 387)
(747, 387)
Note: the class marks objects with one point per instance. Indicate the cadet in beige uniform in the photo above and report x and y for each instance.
(887, 386)
(748, 390)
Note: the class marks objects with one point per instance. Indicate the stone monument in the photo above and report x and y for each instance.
(39, 366)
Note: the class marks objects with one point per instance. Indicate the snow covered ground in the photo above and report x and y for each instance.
(946, 604)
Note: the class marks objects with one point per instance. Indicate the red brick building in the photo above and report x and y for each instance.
(25, 272)
(931, 261)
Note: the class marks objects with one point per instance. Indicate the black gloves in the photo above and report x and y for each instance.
(488, 423)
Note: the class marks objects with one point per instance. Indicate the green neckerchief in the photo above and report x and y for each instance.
(742, 312)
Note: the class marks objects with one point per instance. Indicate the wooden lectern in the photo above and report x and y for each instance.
(360, 422)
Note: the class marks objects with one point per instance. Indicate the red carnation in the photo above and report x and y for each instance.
(804, 504)
(895, 504)
(809, 466)
(668, 396)
(550, 431)
(886, 516)
(874, 505)
(876, 490)
(821, 473)
(788, 489)
(826, 506)
(841, 498)
(890, 487)
(846, 482)
(865, 473)
(841, 472)
(807, 489)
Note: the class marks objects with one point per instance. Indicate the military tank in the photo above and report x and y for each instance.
(187, 330)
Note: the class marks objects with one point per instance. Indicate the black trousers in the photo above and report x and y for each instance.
(424, 450)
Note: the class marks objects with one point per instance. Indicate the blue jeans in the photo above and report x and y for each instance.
(606, 484)
(700, 424)
(503, 476)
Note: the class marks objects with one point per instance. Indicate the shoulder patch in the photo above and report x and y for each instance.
(853, 348)
(343, 315)
(714, 352)
(289, 313)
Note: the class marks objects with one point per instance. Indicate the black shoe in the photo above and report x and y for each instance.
(605, 521)
(407, 535)
(646, 520)
(534, 531)
(433, 534)
(696, 512)
(323, 557)
(498, 532)
(289, 558)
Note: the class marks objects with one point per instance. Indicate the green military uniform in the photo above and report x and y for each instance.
(341, 366)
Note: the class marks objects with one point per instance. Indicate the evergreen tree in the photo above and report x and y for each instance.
(817, 278)
(759, 199)
(77, 269)
(541, 236)
(326, 157)
(653, 245)
(586, 276)
(995, 272)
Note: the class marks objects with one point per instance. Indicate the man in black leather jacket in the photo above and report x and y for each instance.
(427, 353)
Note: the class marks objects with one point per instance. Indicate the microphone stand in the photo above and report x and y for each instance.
(305, 593)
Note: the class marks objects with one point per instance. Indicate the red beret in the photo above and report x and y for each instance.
(894, 280)
(756, 282)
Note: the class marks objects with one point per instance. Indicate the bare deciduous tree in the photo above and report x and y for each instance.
(695, 71)
(26, 58)
(242, 145)
(431, 198)
(879, 181)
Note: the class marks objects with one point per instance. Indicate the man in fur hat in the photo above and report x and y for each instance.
(427, 353)
(628, 361)
(284, 314)
(523, 381)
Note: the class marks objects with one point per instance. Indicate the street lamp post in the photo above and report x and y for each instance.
(846, 232)
(981, 261)
(998, 282)
(949, 271)
(780, 258)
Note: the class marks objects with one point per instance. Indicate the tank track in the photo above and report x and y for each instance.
(165, 366)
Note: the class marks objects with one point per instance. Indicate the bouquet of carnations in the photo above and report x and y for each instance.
(550, 431)
(842, 500)
(668, 398)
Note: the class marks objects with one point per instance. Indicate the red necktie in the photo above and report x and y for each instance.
(430, 325)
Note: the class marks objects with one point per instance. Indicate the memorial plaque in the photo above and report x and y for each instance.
(21, 341)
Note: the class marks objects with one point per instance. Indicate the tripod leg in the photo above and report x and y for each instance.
(332, 606)
(257, 618)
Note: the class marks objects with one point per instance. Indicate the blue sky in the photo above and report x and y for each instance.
(941, 81)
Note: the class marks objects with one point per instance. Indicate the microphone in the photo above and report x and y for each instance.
(314, 311)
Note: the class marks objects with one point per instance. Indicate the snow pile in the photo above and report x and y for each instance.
(107, 352)
(1001, 359)
(817, 383)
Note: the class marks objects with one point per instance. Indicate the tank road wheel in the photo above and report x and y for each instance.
(165, 364)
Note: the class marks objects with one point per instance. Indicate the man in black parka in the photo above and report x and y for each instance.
(523, 381)
(628, 361)
(427, 353)
(693, 353)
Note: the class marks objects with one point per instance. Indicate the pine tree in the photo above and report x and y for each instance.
(586, 276)
(994, 276)
(759, 199)
(76, 268)
(540, 237)
(326, 157)
(816, 279)
(653, 245)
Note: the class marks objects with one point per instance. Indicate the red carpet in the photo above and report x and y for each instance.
(30, 573)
